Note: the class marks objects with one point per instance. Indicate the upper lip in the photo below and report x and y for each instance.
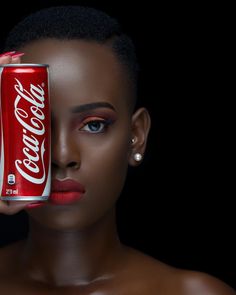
(68, 185)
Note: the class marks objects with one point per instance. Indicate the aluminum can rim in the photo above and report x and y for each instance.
(24, 65)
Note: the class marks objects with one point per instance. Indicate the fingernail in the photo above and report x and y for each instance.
(8, 53)
(35, 205)
(18, 54)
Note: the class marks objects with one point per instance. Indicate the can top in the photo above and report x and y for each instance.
(24, 65)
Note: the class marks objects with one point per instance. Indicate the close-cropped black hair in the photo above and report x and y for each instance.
(76, 22)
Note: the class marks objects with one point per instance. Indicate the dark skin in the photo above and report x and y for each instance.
(75, 249)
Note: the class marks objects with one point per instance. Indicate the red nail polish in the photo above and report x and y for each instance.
(18, 54)
(7, 53)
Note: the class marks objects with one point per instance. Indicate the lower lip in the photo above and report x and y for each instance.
(64, 198)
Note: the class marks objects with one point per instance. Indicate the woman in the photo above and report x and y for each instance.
(73, 247)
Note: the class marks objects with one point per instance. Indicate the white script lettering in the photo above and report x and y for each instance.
(31, 122)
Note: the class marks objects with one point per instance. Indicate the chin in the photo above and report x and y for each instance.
(61, 218)
(71, 217)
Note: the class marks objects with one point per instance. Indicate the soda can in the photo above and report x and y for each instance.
(25, 134)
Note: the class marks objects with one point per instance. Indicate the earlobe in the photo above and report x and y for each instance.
(141, 124)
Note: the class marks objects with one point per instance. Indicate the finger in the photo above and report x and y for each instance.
(12, 207)
(16, 57)
(15, 60)
(6, 59)
(3, 206)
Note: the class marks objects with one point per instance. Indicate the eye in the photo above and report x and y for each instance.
(94, 126)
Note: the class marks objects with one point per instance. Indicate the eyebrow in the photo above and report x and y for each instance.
(91, 106)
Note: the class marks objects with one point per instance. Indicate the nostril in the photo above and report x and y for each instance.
(72, 164)
(60, 165)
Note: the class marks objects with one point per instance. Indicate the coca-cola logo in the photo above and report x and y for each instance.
(33, 131)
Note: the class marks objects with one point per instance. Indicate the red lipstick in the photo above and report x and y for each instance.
(65, 192)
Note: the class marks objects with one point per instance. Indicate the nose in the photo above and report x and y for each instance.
(65, 152)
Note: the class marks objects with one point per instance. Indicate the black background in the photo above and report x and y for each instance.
(177, 206)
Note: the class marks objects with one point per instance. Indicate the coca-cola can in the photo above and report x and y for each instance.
(25, 134)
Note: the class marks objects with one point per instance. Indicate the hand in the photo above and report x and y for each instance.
(10, 57)
(11, 207)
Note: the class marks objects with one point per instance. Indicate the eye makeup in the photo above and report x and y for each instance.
(95, 125)
(95, 121)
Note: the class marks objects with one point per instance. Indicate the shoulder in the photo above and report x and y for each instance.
(142, 274)
(152, 275)
(195, 283)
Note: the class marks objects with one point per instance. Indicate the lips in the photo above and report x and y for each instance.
(66, 192)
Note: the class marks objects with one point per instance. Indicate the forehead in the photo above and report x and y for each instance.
(81, 71)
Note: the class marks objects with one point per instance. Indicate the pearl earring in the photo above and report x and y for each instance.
(138, 157)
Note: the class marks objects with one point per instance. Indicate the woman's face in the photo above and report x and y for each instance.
(91, 127)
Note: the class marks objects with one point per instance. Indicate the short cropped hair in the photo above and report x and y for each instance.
(77, 22)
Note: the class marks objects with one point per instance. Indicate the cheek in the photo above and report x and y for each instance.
(105, 168)
(105, 183)
(113, 169)
(107, 158)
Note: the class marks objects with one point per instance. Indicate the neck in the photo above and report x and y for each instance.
(72, 257)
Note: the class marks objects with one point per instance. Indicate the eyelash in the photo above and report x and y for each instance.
(106, 123)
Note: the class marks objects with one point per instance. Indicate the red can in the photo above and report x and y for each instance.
(25, 135)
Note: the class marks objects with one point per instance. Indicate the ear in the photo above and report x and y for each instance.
(141, 123)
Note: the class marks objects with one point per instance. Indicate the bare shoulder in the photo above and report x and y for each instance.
(143, 274)
(156, 277)
(195, 283)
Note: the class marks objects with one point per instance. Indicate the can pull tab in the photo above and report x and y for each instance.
(11, 179)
